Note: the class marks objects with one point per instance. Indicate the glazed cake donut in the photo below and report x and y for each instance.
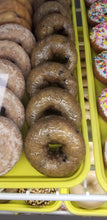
(97, 13)
(48, 73)
(11, 17)
(18, 34)
(11, 107)
(93, 187)
(48, 8)
(10, 145)
(54, 99)
(98, 37)
(55, 47)
(26, 4)
(59, 162)
(15, 53)
(11, 77)
(102, 104)
(100, 67)
(15, 6)
(54, 24)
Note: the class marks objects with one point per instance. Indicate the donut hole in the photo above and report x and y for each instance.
(51, 111)
(2, 111)
(55, 150)
(59, 59)
(61, 31)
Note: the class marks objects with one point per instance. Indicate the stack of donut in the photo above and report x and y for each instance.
(53, 144)
(16, 44)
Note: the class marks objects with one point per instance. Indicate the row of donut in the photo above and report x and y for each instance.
(16, 44)
(53, 114)
(98, 39)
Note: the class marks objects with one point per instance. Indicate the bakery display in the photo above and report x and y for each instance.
(63, 160)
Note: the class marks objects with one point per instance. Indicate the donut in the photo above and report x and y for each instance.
(102, 104)
(12, 78)
(10, 145)
(100, 67)
(54, 100)
(15, 6)
(54, 24)
(54, 162)
(18, 34)
(15, 53)
(11, 107)
(38, 203)
(26, 4)
(105, 153)
(38, 3)
(98, 37)
(97, 13)
(92, 187)
(46, 74)
(11, 17)
(55, 48)
(48, 8)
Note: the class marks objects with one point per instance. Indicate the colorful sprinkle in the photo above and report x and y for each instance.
(98, 35)
(103, 101)
(101, 63)
(98, 12)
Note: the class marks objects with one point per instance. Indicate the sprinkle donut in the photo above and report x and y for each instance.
(102, 104)
(11, 107)
(97, 13)
(98, 37)
(18, 34)
(15, 53)
(10, 145)
(46, 74)
(11, 17)
(89, 2)
(100, 67)
(15, 6)
(61, 161)
(55, 47)
(48, 8)
(53, 100)
(54, 24)
(12, 77)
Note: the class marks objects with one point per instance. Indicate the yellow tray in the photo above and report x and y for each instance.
(99, 127)
(21, 206)
(23, 175)
(73, 208)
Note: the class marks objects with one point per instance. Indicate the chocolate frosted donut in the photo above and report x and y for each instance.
(55, 48)
(48, 8)
(54, 162)
(54, 99)
(11, 77)
(15, 53)
(11, 106)
(54, 24)
(15, 6)
(10, 145)
(18, 34)
(46, 74)
(11, 17)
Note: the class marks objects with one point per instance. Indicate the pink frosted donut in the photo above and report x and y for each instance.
(10, 145)
(97, 13)
(11, 106)
(98, 37)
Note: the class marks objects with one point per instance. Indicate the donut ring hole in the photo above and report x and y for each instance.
(51, 111)
(47, 84)
(58, 58)
(2, 111)
(55, 151)
(61, 31)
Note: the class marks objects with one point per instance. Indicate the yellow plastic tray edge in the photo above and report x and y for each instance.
(92, 101)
